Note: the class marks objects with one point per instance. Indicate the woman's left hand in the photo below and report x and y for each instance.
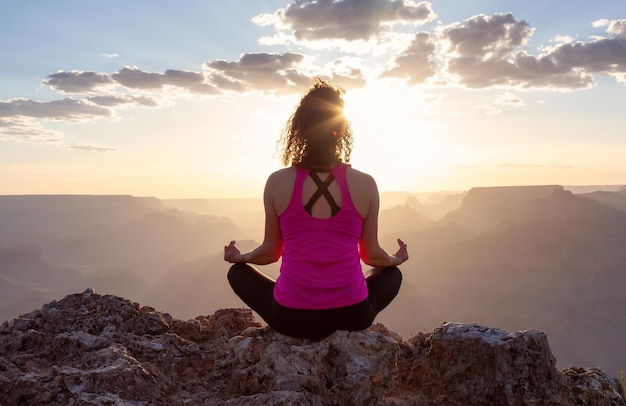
(232, 253)
(403, 254)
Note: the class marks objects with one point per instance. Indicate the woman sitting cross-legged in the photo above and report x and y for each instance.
(321, 216)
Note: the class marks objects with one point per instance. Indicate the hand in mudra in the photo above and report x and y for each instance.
(232, 253)
(402, 255)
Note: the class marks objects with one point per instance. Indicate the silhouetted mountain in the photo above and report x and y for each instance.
(615, 200)
(155, 241)
(16, 298)
(436, 205)
(583, 189)
(563, 206)
(248, 214)
(557, 263)
(149, 244)
(26, 265)
(113, 243)
(200, 285)
(560, 233)
(61, 215)
(28, 280)
(194, 286)
(484, 209)
(401, 219)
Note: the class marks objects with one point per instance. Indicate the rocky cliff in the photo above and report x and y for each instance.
(101, 349)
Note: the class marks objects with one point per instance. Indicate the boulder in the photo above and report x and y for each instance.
(104, 350)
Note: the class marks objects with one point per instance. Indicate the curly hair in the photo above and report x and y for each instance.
(317, 134)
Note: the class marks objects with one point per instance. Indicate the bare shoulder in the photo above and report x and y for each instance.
(282, 175)
(363, 190)
(359, 176)
(279, 187)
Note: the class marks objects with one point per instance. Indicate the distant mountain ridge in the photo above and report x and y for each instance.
(523, 257)
(53, 245)
(485, 208)
(63, 214)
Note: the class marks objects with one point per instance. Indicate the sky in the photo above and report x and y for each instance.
(187, 99)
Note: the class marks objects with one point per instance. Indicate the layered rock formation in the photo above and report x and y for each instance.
(93, 349)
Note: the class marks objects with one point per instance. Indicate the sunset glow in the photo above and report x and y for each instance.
(448, 98)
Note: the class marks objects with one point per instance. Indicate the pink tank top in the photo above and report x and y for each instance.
(321, 267)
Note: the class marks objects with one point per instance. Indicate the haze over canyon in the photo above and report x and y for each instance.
(545, 257)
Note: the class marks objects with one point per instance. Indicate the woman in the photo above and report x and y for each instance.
(321, 216)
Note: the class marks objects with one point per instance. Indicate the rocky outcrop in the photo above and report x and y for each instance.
(93, 349)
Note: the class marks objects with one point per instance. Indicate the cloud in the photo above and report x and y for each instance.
(434, 98)
(278, 73)
(65, 109)
(346, 20)
(488, 36)
(91, 148)
(354, 80)
(618, 28)
(416, 62)
(604, 55)
(510, 99)
(488, 51)
(512, 165)
(134, 78)
(122, 100)
(21, 119)
(77, 81)
(260, 71)
(519, 165)
(615, 27)
(26, 130)
(266, 72)
(483, 51)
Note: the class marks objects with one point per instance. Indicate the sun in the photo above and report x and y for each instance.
(395, 137)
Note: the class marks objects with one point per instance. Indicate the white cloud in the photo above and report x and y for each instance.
(481, 52)
(509, 99)
(617, 28)
(78, 81)
(194, 82)
(488, 51)
(90, 148)
(348, 20)
(260, 71)
(65, 109)
(25, 130)
(416, 62)
(600, 23)
(123, 100)
(435, 98)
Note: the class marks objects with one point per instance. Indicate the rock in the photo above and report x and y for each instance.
(100, 349)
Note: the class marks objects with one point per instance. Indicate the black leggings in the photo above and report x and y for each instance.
(257, 291)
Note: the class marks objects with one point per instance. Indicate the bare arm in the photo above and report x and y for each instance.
(271, 248)
(370, 250)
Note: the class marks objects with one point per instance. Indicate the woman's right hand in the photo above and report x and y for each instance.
(232, 253)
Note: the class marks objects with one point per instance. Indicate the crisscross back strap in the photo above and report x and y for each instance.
(322, 190)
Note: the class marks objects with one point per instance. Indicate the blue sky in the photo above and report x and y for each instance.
(187, 99)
